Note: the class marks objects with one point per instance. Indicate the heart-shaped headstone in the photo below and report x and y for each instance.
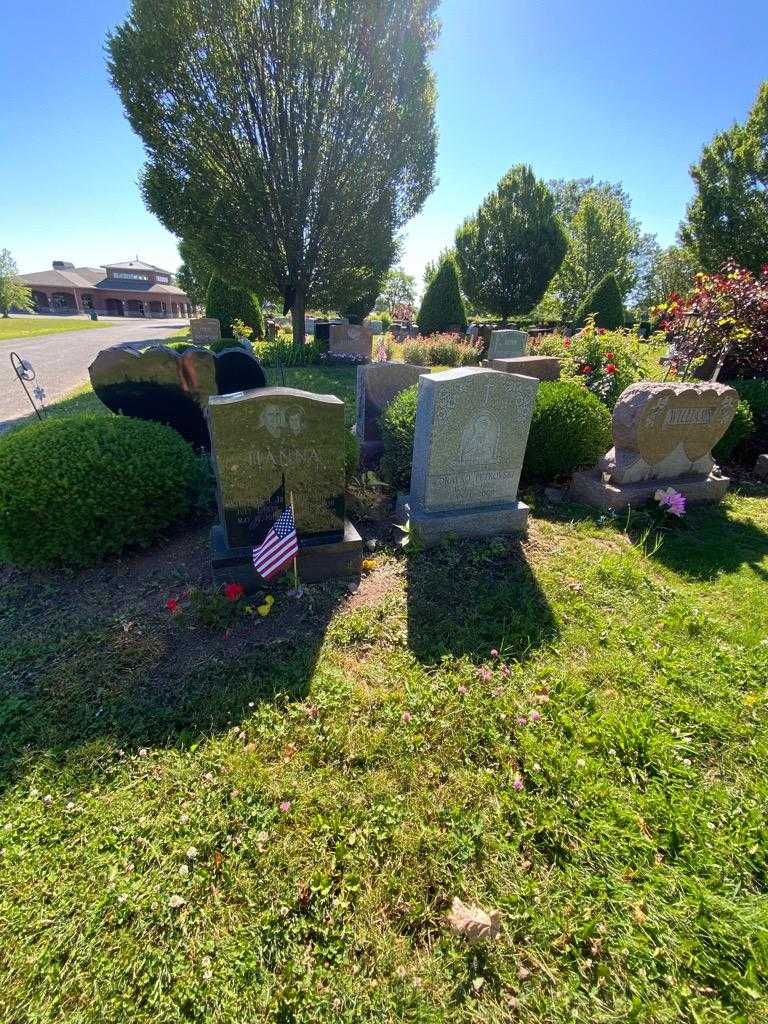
(172, 387)
(654, 419)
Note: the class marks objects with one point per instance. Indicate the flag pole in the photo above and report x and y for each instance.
(295, 562)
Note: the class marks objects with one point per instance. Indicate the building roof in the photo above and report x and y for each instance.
(95, 277)
(136, 265)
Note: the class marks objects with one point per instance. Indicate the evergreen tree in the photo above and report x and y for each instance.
(442, 307)
(511, 249)
(228, 304)
(604, 303)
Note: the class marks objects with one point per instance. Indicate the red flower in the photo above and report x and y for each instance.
(566, 343)
(610, 368)
(609, 356)
(586, 368)
(601, 330)
(233, 591)
(172, 605)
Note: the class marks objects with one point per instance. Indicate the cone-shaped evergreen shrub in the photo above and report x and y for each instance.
(228, 304)
(604, 301)
(442, 308)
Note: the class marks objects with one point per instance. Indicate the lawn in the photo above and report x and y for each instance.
(269, 823)
(30, 326)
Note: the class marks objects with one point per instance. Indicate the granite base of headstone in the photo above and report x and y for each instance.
(377, 385)
(471, 431)
(271, 446)
(540, 367)
(663, 437)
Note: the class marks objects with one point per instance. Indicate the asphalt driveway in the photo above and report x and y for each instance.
(61, 361)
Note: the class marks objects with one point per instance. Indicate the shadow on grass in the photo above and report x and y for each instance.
(467, 597)
(712, 543)
(119, 669)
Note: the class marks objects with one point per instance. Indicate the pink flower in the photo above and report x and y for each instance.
(284, 806)
(674, 502)
(517, 783)
(484, 673)
(505, 670)
(407, 717)
(535, 716)
(462, 691)
(494, 653)
(521, 720)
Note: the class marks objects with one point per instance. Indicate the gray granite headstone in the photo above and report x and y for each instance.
(350, 339)
(471, 432)
(204, 330)
(377, 385)
(504, 344)
(540, 367)
(374, 326)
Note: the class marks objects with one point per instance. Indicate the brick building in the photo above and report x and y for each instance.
(115, 289)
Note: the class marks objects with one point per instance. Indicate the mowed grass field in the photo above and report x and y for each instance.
(29, 326)
(270, 823)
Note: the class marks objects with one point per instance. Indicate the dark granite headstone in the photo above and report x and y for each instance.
(270, 446)
(171, 387)
(377, 385)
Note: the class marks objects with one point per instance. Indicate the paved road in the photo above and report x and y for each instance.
(61, 361)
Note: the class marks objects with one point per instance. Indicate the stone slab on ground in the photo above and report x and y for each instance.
(590, 488)
(341, 559)
(540, 367)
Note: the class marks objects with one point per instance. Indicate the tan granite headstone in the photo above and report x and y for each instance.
(350, 339)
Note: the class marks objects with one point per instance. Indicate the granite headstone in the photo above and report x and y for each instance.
(267, 446)
(540, 367)
(663, 436)
(507, 343)
(471, 431)
(204, 329)
(350, 339)
(377, 385)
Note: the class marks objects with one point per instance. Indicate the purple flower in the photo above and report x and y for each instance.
(517, 783)
(535, 716)
(673, 501)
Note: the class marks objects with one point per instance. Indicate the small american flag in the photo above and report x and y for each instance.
(278, 547)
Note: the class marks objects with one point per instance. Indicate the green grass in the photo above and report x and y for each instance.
(142, 758)
(30, 326)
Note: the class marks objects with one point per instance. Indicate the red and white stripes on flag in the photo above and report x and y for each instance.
(278, 548)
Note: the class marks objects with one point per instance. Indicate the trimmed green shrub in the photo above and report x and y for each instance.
(604, 303)
(351, 454)
(755, 394)
(742, 427)
(228, 304)
(398, 422)
(282, 350)
(180, 346)
(76, 489)
(570, 428)
(442, 308)
(224, 343)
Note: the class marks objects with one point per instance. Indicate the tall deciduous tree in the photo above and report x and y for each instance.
(283, 131)
(672, 271)
(603, 241)
(398, 288)
(510, 250)
(728, 217)
(14, 294)
(194, 274)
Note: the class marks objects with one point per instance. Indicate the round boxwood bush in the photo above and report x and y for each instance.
(73, 490)
(570, 428)
(398, 422)
(741, 427)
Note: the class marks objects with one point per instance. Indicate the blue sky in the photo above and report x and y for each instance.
(624, 91)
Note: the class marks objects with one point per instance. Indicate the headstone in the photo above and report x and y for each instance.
(204, 330)
(309, 325)
(374, 326)
(540, 367)
(663, 435)
(471, 431)
(267, 446)
(377, 385)
(171, 387)
(323, 329)
(761, 467)
(350, 340)
(506, 344)
(270, 329)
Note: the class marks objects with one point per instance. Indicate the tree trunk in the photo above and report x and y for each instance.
(297, 315)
